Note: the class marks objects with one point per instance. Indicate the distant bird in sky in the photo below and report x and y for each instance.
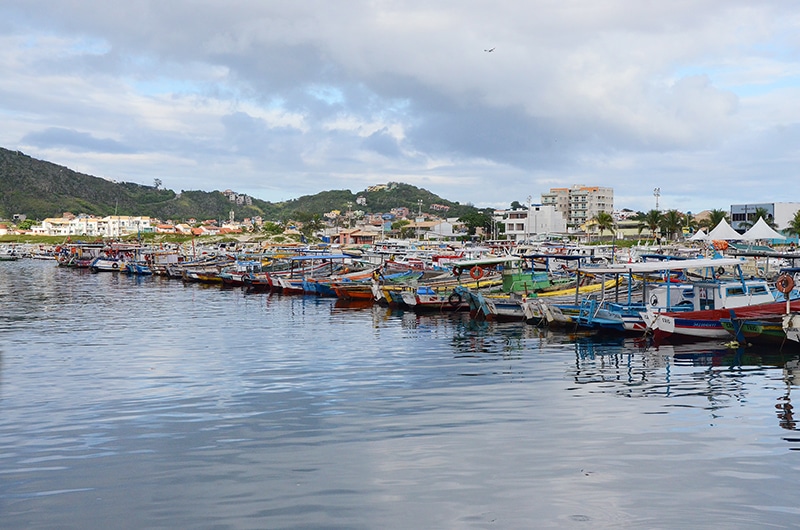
(489, 50)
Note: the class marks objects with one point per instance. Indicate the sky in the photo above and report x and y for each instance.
(479, 102)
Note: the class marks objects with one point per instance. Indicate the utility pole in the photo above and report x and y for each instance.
(528, 220)
(419, 216)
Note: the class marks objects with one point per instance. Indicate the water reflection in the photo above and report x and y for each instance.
(301, 412)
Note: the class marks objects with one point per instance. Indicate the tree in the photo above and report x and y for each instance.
(402, 227)
(714, 218)
(515, 205)
(651, 220)
(475, 220)
(672, 223)
(26, 224)
(604, 221)
(271, 228)
(156, 183)
(758, 213)
(794, 225)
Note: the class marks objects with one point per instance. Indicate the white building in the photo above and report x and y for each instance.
(523, 223)
(580, 203)
(109, 226)
(781, 214)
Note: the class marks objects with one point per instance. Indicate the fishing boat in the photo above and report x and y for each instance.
(426, 299)
(107, 264)
(716, 300)
(78, 255)
(137, 268)
(8, 254)
(233, 275)
(791, 327)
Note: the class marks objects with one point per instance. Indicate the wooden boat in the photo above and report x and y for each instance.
(766, 330)
(708, 323)
(138, 268)
(485, 307)
(8, 254)
(791, 326)
(425, 299)
(78, 255)
(107, 264)
(234, 275)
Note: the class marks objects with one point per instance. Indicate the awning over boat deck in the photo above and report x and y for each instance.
(659, 266)
(565, 257)
(500, 260)
(310, 257)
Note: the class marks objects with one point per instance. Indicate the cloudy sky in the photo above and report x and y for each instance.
(700, 99)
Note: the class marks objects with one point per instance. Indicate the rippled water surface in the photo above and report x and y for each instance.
(147, 403)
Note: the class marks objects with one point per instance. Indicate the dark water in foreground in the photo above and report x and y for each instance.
(147, 403)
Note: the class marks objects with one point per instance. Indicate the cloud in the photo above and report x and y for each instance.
(80, 141)
(284, 100)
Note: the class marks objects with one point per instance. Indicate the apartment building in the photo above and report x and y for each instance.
(580, 203)
(523, 223)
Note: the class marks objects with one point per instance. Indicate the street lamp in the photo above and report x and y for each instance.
(657, 194)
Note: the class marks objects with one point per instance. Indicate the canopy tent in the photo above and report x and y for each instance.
(761, 230)
(724, 232)
(700, 235)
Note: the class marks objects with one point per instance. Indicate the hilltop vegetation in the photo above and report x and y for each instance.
(40, 189)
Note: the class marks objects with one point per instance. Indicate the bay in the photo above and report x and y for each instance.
(149, 403)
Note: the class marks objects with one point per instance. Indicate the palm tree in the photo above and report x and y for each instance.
(651, 220)
(714, 218)
(759, 213)
(604, 221)
(794, 225)
(672, 223)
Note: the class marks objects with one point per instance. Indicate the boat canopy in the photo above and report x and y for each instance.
(563, 257)
(659, 266)
(500, 260)
(317, 257)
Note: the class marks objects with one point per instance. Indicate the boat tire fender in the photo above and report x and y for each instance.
(114, 265)
(476, 272)
(784, 283)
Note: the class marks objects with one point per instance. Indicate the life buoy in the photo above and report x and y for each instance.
(784, 283)
(454, 299)
(476, 272)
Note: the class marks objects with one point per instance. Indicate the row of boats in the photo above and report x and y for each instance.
(670, 297)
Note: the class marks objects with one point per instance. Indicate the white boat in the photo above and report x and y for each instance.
(107, 264)
(714, 299)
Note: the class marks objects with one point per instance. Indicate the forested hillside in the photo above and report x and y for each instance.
(40, 189)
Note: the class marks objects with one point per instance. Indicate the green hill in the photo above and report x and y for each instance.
(40, 189)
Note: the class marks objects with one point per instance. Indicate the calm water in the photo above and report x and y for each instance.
(147, 403)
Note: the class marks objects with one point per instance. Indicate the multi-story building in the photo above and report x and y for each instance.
(83, 225)
(523, 223)
(580, 203)
(781, 214)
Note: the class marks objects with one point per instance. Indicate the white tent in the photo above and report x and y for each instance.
(761, 230)
(723, 231)
(700, 235)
